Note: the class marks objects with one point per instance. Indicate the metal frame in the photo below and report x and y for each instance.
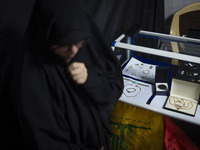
(178, 56)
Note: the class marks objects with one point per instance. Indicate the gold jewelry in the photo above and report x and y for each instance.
(146, 72)
(191, 74)
(150, 67)
(139, 66)
(137, 83)
(180, 103)
(132, 90)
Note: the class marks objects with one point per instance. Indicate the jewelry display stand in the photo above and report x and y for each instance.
(157, 103)
(184, 97)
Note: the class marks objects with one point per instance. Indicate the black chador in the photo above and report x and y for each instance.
(53, 112)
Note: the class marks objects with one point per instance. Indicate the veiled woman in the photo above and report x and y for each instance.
(65, 80)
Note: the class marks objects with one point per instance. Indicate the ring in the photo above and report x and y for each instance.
(162, 86)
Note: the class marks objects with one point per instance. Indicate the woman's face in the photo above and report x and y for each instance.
(68, 51)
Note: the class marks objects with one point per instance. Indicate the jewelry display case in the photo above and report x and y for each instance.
(161, 81)
(177, 84)
(184, 97)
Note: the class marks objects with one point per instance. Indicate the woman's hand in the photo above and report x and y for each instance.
(78, 72)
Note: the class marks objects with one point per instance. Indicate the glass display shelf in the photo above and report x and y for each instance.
(167, 46)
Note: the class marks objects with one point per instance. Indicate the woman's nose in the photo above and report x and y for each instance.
(74, 48)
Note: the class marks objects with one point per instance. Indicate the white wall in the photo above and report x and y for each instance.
(171, 6)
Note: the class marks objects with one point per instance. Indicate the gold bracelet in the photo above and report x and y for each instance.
(145, 72)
